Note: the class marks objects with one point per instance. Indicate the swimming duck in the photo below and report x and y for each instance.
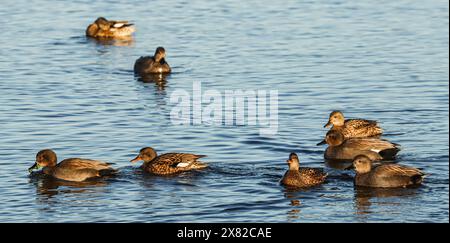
(385, 175)
(74, 169)
(169, 163)
(341, 149)
(103, 28)
(301, 177)
(353, 128)
(152, 64)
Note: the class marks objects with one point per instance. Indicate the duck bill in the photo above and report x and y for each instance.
(327, 125)
(36, 166)
(138, 158)
(322, 143)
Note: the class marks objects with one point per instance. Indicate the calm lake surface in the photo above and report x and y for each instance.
(386, 61)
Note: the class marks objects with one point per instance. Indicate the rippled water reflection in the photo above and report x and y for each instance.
(386, 61)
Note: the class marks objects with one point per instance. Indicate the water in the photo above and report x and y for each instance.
(386, 61)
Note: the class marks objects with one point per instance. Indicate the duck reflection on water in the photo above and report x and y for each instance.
(48, 186)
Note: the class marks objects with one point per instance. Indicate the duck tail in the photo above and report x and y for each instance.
(323, 177)
(417, 179)
(397, 146)
(378, 129)
(198, 166)
(390, 153)
(107, 172)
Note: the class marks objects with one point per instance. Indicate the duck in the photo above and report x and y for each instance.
(169, 163)
(385, 175)
(152, 64)
(301, 177)
(73, 169)
(340, 148)
(353, 128)
(103, 28)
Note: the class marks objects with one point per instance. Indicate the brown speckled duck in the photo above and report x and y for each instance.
(152, 64)
(301, 177)
(74, 169)
(340, 148)
(169, 163)
(103, 28)
(353, 128)
(385, 175)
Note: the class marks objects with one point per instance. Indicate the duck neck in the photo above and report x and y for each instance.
(159, 59)
(339, 123)
(337, 126)
(335, 142)
(294, 166)
(48, 170)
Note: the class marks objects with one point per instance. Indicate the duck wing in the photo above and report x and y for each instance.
(371, 144)
(362, 128)
(119, 23)
(171, 163)
(358, 123)
(76, 169)
(178, 159)
(311, 171)
(393, 170)
(312, 175)
(143, 64)
(81, 164)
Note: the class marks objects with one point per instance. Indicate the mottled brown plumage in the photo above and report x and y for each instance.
(152, 64)
(385, 175)
(374, 148)
(73, 169)
(169, 163)
(353, 128)
(103, 28)
(301, 177)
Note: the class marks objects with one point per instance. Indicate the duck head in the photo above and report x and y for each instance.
(362, 164)
(146, 154)
(160, 54)
(336, 119)
(333, 138)
(102, 23)
(45, 158)
(293, 161)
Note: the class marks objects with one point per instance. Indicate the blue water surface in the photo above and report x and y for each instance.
(382, 60)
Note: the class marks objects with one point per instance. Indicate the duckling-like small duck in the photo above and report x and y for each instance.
(74, 169)
(152, 64)
(301, 177)
(385, 175)
(340, 148)
(353, 128)
(169, 163)
(103, 28)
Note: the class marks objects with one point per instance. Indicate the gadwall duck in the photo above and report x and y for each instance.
(353, 128)
(74, 169)
(301, 177)
(385, 175)
(152, 64)
(169, 163)
(103, 28)
(340, 148)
